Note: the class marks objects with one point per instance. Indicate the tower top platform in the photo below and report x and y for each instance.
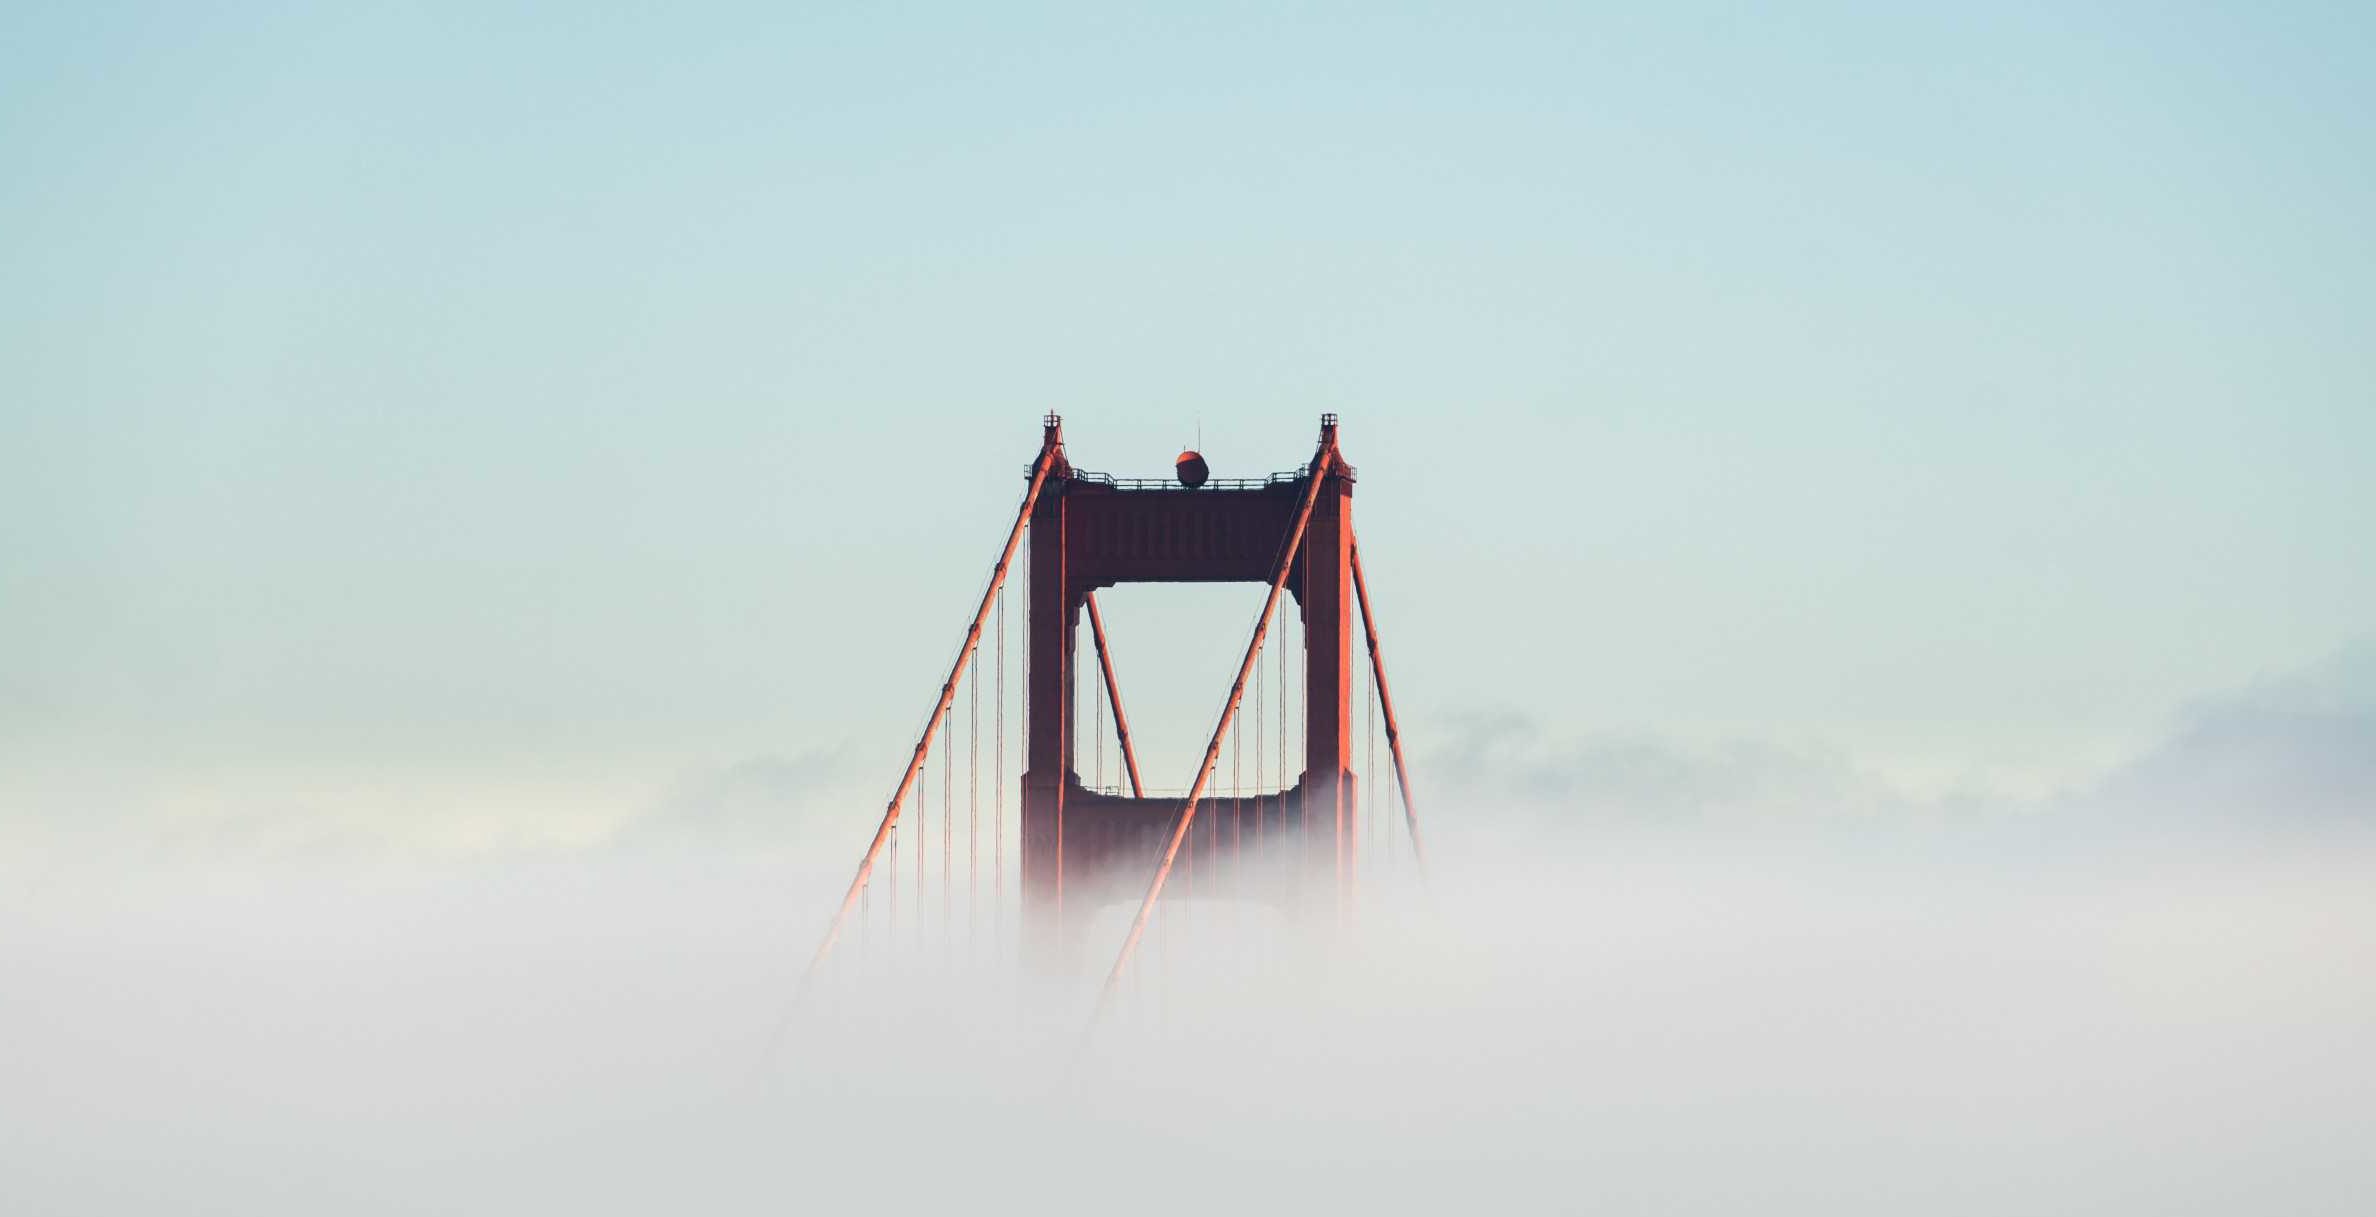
(1065, 471)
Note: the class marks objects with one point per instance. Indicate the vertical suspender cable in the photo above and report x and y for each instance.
(1303, 713)
(1097, 714)
(1040, 470)
(1369, 750)
(1237, 792)
(998, 775)
(923, 843)
(1281, 727)
(999, 768)
(1261, 743)
(1022, 756)
(1068, 773)
(973, 792)
(948, 830)
(923, 840)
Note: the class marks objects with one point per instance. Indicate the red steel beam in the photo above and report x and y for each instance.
(940, 709)
(1402, 775)
(1321, 467)
(1105, 660)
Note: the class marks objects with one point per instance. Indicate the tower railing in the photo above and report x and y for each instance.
(1285, 477)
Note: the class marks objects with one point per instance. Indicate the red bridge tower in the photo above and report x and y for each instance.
(1082, 848)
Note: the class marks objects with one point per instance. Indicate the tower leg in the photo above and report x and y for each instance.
(1331, 802)
(1048, 737)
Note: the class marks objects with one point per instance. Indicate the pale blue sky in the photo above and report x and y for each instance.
(476, 425)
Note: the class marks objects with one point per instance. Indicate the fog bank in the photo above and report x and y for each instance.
(1677, 1022)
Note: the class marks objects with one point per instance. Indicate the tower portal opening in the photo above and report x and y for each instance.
(1166, 643)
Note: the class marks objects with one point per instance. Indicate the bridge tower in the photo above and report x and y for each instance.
(1081, 848)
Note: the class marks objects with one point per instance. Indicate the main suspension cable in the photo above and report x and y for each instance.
(1051, 451)
(1402, 771)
